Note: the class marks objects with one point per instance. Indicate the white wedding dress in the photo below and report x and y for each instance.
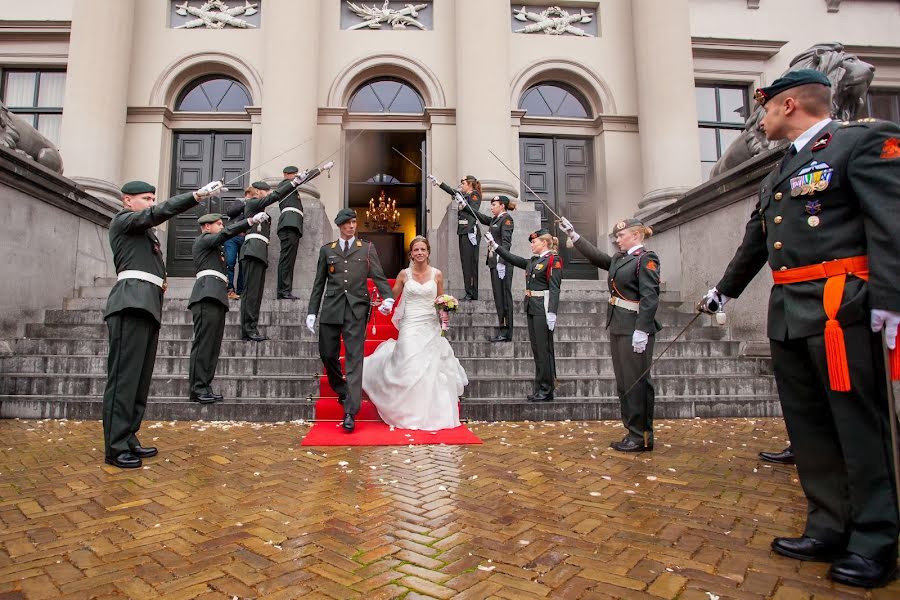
(415, 381)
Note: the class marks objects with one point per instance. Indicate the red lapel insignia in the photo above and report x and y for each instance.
(891, 148)
(822, 142)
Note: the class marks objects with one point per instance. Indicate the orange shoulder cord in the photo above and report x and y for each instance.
(835, 273)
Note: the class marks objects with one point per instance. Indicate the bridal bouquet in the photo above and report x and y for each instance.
(448, 304)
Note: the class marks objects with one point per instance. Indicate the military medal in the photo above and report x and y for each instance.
(813, 207)
(813, 221)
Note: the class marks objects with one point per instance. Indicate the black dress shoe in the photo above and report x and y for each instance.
(255, 337)
(287, 297)
(785, 457)
(125, 460)
(806, 548)
(142, 452)
(203, 398)
(630, 445)
(541, 398)
(348, 423)
(218, 397)
(498, 338)
(467, 298)
(853, 569)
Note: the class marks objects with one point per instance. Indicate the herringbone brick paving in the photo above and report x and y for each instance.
(541, 510)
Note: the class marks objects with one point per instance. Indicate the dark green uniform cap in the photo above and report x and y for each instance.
(211, 218)
(789, 80)
(504, 200)
(536, 234)
(290, 169)
(344, 215)
(133, 188)
(261, 185)
(625, 224)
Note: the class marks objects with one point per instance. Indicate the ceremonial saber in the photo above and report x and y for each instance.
(892, 413)
(251, 169)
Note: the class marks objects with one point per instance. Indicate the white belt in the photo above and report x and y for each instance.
(626, 304)
(143, 276)
(292, 209)
(463, 221)
(535, 293)
(257, 236)
(212, 273)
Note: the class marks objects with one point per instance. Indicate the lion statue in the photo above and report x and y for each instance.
(850, 78)
(25, 140)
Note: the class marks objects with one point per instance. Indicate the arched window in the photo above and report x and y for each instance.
(554, 100)
(213, 93)
(386, 95)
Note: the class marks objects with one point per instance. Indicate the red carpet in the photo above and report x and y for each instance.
(370, 429)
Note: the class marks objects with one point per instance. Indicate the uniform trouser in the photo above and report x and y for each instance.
(544, 356)
(637, 406)
(502, 289)
(232, 250)
(133, 336)
(841, 442)
(290, 242)
(353, 331)
(468, 256)
(251, 300)
(209, 328)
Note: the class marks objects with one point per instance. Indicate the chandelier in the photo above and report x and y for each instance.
(384, 215)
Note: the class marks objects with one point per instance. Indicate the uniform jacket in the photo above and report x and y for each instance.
(465, 223)
(209, 253)
(341, 280)
(235, 210)
(633, 277)
(855, 214)
(542, 273)
(256, 248)
(501, 228)
(136, 247)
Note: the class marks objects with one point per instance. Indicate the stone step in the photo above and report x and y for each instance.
(585, 365)
(493, 409)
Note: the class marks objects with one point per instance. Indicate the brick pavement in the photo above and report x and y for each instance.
(542, 510)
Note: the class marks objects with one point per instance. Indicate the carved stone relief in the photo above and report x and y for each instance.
(554, 20)
(214, 14)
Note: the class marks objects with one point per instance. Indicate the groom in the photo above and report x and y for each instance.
(341, 292)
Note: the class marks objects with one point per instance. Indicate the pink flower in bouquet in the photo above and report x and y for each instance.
(446, 304)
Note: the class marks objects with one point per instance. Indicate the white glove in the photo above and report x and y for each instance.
(298, 179)
(210, 190)
(386, 305)
(551, 321)
(260, 217)
(460, 201)
(501, 270)
(327, 166)
(568, 229)
(712, 302)
(490, 240)
(311, 323)
(888, 320)
(472, 238)
(639, 341)
(433, 180)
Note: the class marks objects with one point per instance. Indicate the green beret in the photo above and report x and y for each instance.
(133, 188)
(789, 80)
(211, 218)
(344, 215)
(469, 178)
(261, 185)
(626, 224)
(504, 200)
(290, 169)
(536, 234)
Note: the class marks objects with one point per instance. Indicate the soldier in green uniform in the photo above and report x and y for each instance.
(255, 256)
(543, 278)
(133, 314)
(209, 300)
(501, 229)
(633, 279)
(826, 223)
(341, 291)
(468, 202)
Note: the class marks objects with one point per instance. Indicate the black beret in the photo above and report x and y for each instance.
(290, 169)
(344, 215)
(536, 234)
(627, 223)
(211, 218)
(504, 200)
(789, 80)
(261, 185)
(133, 188)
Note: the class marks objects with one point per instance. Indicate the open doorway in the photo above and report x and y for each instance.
(378, 174)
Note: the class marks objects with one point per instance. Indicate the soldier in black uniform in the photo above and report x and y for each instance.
(501, 229)
(209, 300)
(827, 224)
(290, 230)
(631, 320)
(543, 277)
(340, 289)
(255, 257)
(468, 202)
(133, 314)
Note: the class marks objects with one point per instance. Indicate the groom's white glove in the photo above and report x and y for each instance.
(386, 305)
(311, 323)
(551, 321)
(473, 239)
(501, 270)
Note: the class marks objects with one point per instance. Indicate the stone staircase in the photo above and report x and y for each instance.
(58, 369)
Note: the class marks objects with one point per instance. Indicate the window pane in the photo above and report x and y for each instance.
(534, 104)
(553, 96)
(571, 108)
(365, 101)
(52, 90)
(386, 95)
(215, 90)
(708, 149)
(726, 137)
(19, 89)
(235, 99)
(407, 101)
(386, 92)
(706, 103)
(195, 100)
(731, 105)
(49, 125)
(884, 105)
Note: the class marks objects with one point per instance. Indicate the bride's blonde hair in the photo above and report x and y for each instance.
(416, 240)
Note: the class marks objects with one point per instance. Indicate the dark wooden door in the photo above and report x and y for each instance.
(201, 157)
(560, 171)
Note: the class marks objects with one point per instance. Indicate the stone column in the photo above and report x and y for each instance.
(96, 101)
(667, 112)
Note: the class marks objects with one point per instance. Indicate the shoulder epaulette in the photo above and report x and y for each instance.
(358, 243)
(332, 244)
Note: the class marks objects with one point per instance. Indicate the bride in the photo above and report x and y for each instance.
(415, 381)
